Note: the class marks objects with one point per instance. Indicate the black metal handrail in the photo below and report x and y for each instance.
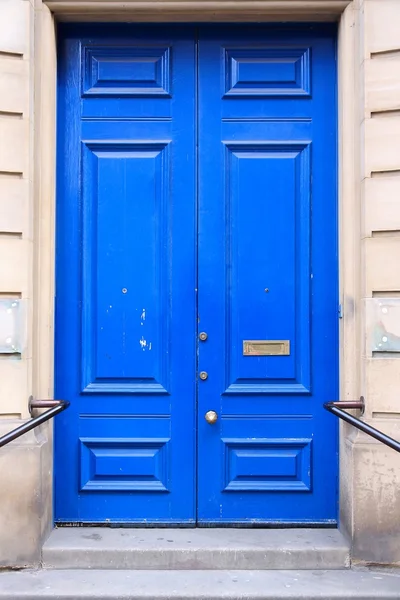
(338, 409)
(54, 406)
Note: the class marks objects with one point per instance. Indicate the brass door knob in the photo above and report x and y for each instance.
(203, 375)
(211, 417)
(203, 336)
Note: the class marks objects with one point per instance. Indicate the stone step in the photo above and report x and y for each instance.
(199, 585)
(194, 549)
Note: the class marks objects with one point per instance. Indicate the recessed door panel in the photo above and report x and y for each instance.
(268, 266)
(126, 306)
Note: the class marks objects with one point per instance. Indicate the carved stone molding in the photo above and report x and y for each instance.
(197, 10)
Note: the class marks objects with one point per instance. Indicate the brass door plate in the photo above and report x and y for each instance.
(266, 347)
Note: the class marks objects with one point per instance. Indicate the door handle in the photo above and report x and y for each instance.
(211, 417)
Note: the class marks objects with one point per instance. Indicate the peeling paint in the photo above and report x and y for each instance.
(144, 344)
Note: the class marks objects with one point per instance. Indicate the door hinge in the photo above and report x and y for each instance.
(340, 311)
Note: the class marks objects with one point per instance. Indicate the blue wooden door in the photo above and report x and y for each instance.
(267, 274)
(196, 272)
(125, 330)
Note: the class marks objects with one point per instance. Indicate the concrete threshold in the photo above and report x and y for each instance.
(188, 585)
(195, 549)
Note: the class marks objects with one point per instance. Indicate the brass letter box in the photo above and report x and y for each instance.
(266, 347)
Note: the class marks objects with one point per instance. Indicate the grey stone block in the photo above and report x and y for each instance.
(199, 585)
(25, 496)
(104, 548)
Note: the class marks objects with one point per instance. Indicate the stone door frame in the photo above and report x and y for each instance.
(349, 185)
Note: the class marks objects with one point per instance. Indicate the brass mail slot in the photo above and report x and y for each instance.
(266, 347)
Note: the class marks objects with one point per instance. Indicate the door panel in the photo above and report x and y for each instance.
(125, 335)
(267, 273)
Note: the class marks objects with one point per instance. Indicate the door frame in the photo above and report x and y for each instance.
(349, 159)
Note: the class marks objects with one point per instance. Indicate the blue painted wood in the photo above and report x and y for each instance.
(267, 271)
(135, 241)
(267, 465)
(267, 71)
(125, 328)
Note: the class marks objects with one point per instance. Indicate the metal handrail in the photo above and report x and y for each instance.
(337, 408)
(54, 406)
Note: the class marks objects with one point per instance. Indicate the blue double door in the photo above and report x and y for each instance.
(196, 305)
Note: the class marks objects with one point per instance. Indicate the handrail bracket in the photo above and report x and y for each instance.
(339, 410)
(348, 405)
(54, 408)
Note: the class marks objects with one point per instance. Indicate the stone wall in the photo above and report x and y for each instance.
(376, 490)
(19, 463)
(25, 465)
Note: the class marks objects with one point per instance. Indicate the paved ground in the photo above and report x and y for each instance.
(203, 585)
